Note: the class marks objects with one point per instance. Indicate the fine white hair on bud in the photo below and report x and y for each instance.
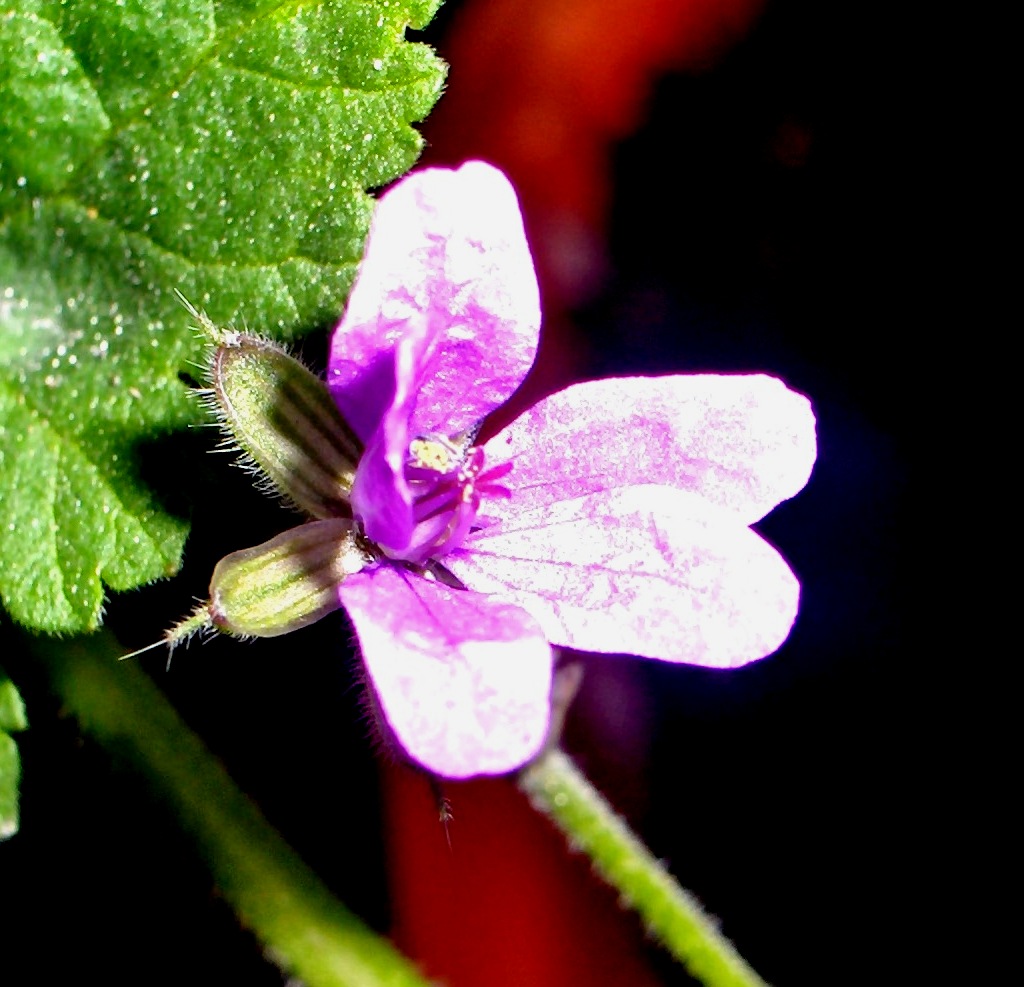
(280, 417)
(287, 582)
(277, 587)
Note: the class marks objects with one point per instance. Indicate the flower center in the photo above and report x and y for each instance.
(448, 484)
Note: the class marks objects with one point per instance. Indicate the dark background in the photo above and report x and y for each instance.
(749, 217)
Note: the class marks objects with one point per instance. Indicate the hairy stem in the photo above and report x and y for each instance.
(307, 931)
(558, 789)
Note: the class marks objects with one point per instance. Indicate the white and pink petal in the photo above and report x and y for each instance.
(463, 679)
(447, 260)
(650, 571)
(743, 443)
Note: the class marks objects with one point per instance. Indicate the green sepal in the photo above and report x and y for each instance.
(285, 583)
(284, 420)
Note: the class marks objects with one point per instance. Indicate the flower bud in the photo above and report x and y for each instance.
(285, 583)
(283, 418)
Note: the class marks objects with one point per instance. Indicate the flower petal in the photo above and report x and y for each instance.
(744, 443)
(381, 497)
(447, 260)
(464, 680)
(649, 571)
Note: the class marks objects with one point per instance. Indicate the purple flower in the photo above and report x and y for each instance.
(612, 516)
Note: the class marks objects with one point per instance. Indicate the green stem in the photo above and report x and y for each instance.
(558, 789)
(308, 932)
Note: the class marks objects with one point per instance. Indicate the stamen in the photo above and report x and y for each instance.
(434, 453)
(446, 501)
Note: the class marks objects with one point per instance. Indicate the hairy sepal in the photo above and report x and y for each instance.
(285, 583)
(284, 421)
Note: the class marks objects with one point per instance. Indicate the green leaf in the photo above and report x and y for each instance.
(12, 717)
(224, 149)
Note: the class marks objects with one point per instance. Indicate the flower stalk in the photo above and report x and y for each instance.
(557, 788)
(308, 932)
